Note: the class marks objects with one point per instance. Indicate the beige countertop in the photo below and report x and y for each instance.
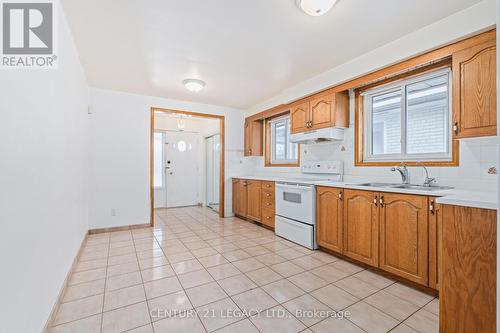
(458, 197)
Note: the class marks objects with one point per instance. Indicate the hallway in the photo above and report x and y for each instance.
(238, 276)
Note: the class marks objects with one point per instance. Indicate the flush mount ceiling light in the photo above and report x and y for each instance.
(316, 7)
(194, 85)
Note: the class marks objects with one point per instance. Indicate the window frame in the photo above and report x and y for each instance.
(269, 139)
(363, 127)
(163, 175)
(402, 87)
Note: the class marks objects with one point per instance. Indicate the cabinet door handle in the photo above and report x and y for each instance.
(340, 195)
(381, 201)
(375, 200)
(455, 128)
(431, 207)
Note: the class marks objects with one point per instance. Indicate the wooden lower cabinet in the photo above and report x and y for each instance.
(467, 282)
(329, 210)
(404, 236)
(398, 233)
(361, 226)
(240, 197)
(254, 200)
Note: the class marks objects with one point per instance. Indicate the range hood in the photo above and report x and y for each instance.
(320, 135)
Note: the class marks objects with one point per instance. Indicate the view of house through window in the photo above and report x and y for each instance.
(282, 150)
(409, 120)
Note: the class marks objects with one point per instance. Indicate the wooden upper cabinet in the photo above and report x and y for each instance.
(474, 91)
(329, 215)
(240, 197)
(254, 200)
(404, 236)
(320, 111)
(361, 226)
(299, 117)
(253, 138)
(329, 110)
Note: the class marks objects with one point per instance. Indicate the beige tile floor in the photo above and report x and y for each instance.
(195, 272)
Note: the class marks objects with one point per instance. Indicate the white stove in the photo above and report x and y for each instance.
(296, 202)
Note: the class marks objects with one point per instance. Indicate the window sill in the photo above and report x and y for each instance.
(453, 163)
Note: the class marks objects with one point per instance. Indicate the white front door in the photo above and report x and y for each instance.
(160, 190)
(182, 155)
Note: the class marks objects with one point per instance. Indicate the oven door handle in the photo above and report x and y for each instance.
(295, 187)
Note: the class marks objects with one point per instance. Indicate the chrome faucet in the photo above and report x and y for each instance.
(428, 180)
(405, 177)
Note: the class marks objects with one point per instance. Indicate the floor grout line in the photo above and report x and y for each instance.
(192, 227)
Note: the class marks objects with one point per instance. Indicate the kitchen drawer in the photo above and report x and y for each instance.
(267, 217)
(268, 200)
(268, 186)
(267, 194)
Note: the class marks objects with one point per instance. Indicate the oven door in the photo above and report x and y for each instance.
(296, 202)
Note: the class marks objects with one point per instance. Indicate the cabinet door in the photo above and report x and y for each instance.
(329, 217)
(321, 112)
(254, 200)
(299, 117)
(468, 280)
(474, 91)
(254, 137)
(240, 197)
(404, 236)
(435, 219)
(247, 139)
(361, 226)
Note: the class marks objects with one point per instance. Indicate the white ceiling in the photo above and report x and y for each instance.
(245, 50)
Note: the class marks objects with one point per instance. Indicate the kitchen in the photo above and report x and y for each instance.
(257, 166)
(412, 226)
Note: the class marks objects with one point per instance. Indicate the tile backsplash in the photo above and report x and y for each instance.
(478, 163)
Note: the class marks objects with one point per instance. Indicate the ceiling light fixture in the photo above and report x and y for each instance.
(316, 7)
(194, 85)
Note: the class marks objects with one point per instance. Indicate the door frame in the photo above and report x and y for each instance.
(151, 154)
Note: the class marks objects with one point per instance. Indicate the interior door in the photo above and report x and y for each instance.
(160, 191)
(212, 148)
(182, 168)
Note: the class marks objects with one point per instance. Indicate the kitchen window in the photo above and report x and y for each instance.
(279, 150)
(409, 120)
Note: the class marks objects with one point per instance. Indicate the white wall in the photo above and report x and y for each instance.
(119, 154)
(476, 155)
(452, 28)
(43, 184)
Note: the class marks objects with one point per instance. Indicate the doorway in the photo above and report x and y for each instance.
(186, 163)
(176, 169)
(212, 149)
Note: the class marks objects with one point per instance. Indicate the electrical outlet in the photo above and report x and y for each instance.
(113, 212)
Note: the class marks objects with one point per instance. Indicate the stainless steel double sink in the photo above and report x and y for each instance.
(406, 186)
